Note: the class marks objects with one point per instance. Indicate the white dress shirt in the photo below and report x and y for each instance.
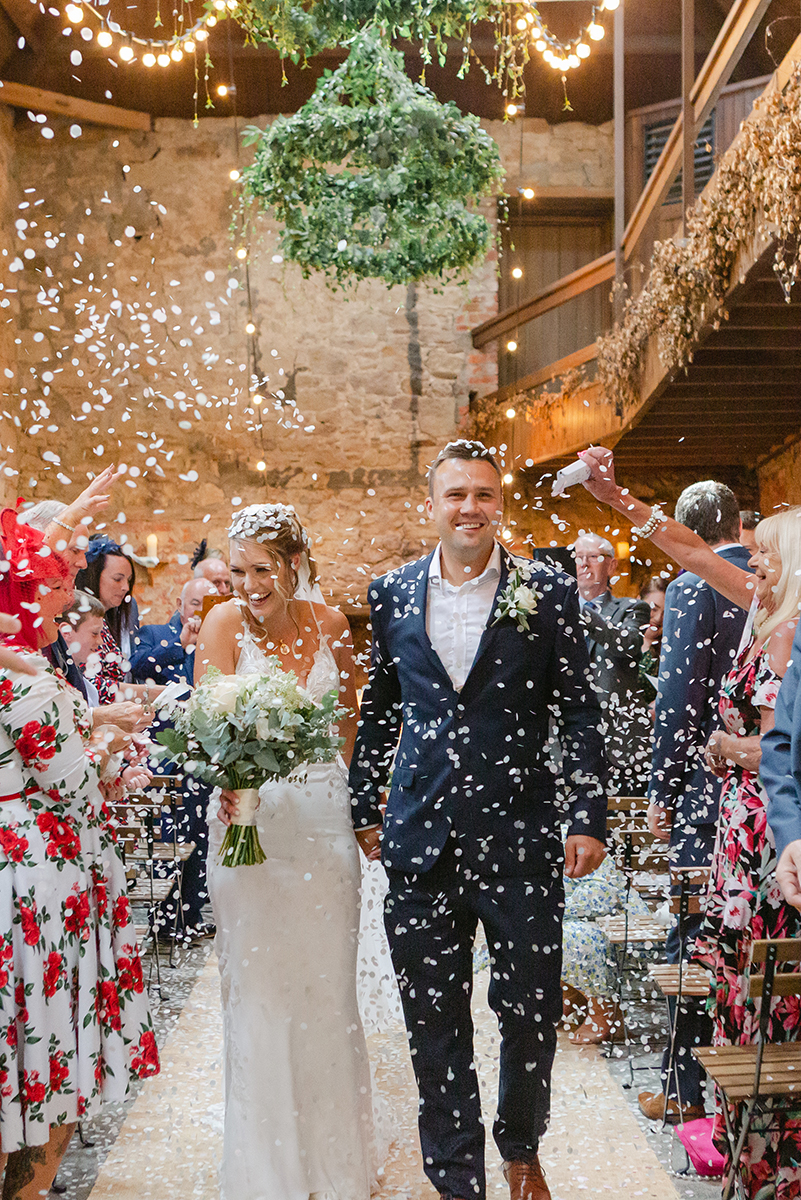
(456, 617)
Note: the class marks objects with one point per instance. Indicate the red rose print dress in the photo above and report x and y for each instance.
(75, 1027)
(744, 903)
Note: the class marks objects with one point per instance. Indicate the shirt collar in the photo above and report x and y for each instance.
(730, 546)
(491, 571)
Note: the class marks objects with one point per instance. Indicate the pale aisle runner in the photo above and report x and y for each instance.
(169, 1145)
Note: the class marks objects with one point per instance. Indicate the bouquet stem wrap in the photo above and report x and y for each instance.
(241, 846)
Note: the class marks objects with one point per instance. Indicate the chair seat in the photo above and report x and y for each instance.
(639, 929)
(694, 979)
(141, 890)
(732, 1068)
(162, 852)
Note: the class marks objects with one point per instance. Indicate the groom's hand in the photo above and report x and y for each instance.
(370, 842)
(583, 855)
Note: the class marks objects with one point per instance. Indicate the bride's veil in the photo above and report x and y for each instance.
(306, 590)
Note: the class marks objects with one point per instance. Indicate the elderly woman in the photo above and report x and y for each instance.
(744, 901)
(74, 1022)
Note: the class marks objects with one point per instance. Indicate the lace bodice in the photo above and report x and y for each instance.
(323, 676)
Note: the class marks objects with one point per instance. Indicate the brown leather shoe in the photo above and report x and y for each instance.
(652, 1106)
(526, 1181)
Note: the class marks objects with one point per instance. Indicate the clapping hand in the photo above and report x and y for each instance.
(9, 660)
(93, 499)
(788, 873)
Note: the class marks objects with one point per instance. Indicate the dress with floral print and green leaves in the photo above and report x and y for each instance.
(75, 1026)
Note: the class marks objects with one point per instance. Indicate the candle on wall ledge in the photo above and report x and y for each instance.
(152, 545)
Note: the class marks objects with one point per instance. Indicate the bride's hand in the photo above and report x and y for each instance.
(228, 806)
(602, 483)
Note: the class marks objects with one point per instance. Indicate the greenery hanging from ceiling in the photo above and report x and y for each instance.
(373, 177)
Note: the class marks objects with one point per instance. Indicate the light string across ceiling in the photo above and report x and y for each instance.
(162, 51)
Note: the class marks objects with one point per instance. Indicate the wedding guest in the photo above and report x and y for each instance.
(652, 593)
(164, 654)
(748, 523)
(82, 630)
(77, 1030)
(211, 565)
(702, 631)
(473, 652)
(780, 772)
(744, 900)
(613, 632)
(109, 575)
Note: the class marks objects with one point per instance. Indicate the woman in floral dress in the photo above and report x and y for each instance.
(744, 901)
(74, 1022)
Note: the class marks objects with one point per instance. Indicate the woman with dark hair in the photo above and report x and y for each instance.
(653, 593)
(74, 1022)
(109, 575)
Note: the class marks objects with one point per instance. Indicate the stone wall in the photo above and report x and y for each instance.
(131, 347)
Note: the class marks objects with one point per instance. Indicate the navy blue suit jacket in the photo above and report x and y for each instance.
(700, 636)
(157, 654)
(780, 771)
(476, 761)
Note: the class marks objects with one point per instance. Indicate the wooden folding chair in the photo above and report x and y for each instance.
(761, 1079)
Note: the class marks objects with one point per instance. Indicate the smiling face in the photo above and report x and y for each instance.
(84, 639)
(54, 595)
(466, 507)
(656, 602)
(115, 580)
(767, 567)
(264, 582)
(216, 572)
(594, 569)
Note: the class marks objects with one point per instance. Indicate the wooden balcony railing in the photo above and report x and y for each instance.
(738, 29)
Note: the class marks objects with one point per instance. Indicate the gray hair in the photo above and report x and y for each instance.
(600, 544)
(711, 510)
(41, 515)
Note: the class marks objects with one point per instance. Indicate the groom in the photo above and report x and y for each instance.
(473, 653)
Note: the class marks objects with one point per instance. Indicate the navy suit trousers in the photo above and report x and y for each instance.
(431, 922)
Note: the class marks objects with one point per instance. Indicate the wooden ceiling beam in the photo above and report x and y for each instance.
(20, 95)
(26, 17)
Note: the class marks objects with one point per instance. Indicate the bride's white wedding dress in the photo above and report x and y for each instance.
(298, 1107)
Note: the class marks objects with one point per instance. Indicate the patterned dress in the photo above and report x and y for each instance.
(112, 672)
(744, 903)
(75, 1028)
(588, 961)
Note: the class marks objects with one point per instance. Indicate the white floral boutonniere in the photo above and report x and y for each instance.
(518, 600)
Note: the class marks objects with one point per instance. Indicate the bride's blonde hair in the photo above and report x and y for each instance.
(782, 535)
(277, 528)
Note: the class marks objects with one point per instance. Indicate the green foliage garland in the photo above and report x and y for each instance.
(372, 177)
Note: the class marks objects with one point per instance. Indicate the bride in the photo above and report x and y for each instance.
(298, 1108)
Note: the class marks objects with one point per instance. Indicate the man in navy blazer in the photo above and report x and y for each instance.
(700, 636)
(780, 773)
(473, 652)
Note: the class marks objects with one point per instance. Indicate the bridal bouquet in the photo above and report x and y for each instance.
(241, 731)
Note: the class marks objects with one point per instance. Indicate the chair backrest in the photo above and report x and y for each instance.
(688, 889)
(208, 603)
(769, 982)
(632, 844)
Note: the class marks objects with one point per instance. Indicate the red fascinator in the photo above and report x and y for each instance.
(26, 562)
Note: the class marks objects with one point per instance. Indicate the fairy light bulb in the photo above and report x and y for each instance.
(595, 31)
(512, 110)
(540, 45)
(234, 176)
(511, 346)
(201, 35)
(583, 50)
(219, 5)
(241, 253)
(511, 413)
(257, 399)
(211, 21)
(261, 465)
(189, 46)
(573, 61)
(610, 5)
(163, 60)
(521, 23)
(528, 193)
(74, 14)
(222, 90)
(517, 273)
(548, 55)
(250, 327)
(105, 39)
(149, 59)
(126, 52)
(176, 54)
(508, 477)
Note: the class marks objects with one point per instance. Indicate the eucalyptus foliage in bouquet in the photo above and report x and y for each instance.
(241, 731)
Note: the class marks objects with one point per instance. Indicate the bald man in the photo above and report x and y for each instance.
(216, 572)
(164, 653)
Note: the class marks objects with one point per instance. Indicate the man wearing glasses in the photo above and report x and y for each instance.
(614, 633)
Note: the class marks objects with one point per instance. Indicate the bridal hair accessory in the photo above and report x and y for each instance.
(263, 522)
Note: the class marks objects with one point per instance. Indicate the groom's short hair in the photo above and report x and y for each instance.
(465, 450)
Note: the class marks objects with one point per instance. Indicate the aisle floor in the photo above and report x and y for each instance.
(169, 1142)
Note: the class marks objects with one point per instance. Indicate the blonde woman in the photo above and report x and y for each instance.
(744, 901)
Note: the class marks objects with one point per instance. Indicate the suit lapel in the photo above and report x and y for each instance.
(488, 635)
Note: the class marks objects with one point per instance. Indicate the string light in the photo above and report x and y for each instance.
(527, 193)
(261, 465)
(517, 273)
(250, 327)
(511, 347)
(235, 176)
(163, 51)
(508, 477)
(511, 413)
(562, 56)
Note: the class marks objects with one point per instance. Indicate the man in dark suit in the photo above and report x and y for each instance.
(614, 633)
(780, 772)
(473, 650)
(700, 636)
(165, 654)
